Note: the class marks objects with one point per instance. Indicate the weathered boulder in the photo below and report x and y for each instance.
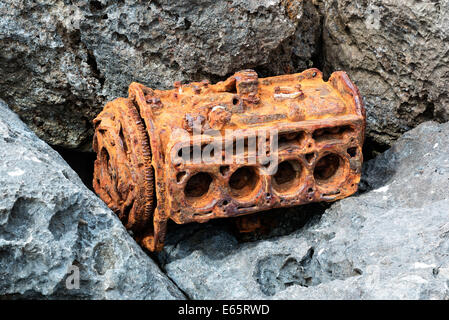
(51, 225)
(390, 241)
(397, 54)
(61, 60)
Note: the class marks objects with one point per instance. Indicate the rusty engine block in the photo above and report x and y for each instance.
(144, 143)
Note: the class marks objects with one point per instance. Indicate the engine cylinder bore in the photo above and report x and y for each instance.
(197, 188)
(244, 182)
(287, 178)
(329, 169)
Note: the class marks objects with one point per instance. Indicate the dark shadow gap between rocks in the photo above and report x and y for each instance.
(81, 162)
(372, 149)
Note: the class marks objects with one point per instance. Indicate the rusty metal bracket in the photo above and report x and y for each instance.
(141, 141)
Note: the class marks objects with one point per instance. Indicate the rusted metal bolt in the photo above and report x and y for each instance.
(196, 89)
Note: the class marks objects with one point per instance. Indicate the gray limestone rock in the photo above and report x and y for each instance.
(52, 226)
(389, 241)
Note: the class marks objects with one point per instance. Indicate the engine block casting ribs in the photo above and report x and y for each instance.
(139, 141)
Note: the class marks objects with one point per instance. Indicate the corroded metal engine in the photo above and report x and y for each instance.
(202, 151)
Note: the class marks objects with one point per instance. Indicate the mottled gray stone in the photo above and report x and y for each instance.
(61, 60)
(390, 241)
(397, 54)
(50, 221)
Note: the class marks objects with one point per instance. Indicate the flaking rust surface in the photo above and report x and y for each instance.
(320, 127)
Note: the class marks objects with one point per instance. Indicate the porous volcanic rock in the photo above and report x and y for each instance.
(62, 60)
(397, 54)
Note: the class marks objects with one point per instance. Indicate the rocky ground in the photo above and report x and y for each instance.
(49, 221)
(390, 241)
(62, 60)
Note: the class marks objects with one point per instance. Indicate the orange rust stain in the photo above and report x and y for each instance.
(320, 125)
